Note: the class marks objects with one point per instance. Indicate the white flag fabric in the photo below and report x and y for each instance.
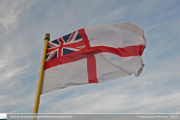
(94, 55)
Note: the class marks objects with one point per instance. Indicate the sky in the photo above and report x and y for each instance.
(23, 24)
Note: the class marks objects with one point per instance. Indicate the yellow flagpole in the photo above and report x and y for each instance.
(41, 74)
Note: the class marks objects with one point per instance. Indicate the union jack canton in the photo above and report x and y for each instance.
(64, 45)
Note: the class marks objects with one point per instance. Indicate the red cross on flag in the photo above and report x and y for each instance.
(94, 55)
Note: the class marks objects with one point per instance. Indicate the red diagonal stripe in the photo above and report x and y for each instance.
(52, 45)
(52, 49)
(51, 55)
(71, 37)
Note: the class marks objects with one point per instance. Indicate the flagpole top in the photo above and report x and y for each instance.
(47, 36)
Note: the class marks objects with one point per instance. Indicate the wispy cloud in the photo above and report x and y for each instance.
(10, 11)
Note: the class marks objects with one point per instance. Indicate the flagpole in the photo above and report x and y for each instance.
(41, 74)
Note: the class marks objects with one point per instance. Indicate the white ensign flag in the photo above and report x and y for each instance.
(94, 55)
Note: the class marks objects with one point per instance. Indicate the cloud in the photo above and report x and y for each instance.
(15, 63)
(9, 12)
(113, 16)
